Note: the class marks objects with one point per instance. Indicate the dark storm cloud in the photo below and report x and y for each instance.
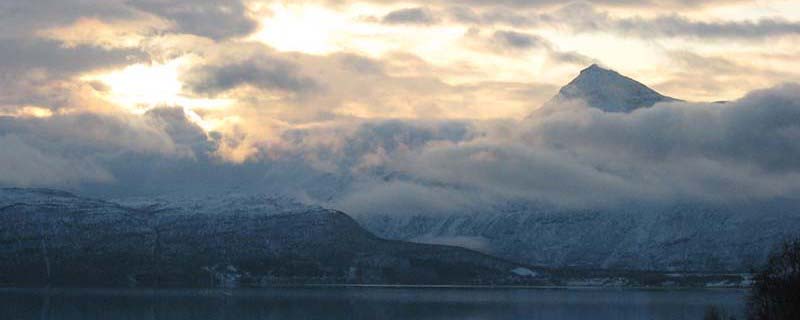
(410, 16)
(215, 19)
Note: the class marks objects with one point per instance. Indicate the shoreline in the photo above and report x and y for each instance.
(113, 290)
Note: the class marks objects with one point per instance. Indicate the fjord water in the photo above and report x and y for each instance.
(365, 303)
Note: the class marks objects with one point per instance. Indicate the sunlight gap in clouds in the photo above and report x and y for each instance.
(445, 50)
(356, 28)
(302, 28)
(753, 10)
(142, 86)
(315, 29)
(28, 111)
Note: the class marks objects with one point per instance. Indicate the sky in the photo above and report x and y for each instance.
(369, 104)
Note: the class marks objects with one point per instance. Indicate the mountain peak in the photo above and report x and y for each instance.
(594, 68)
(607, 90)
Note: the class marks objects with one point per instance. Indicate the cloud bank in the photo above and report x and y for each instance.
(380, 107)
(573, 156)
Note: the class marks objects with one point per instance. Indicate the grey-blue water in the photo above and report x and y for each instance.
(365, 303)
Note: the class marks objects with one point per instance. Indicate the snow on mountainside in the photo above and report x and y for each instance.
(689, 237)
(227, 203)
(56, 238)
(49, 237)
(609, 91)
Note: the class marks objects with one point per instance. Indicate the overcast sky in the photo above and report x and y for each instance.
(112, 92)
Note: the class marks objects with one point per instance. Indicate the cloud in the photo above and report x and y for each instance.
(215, 19)
(745, 150)
(106, 34)
(517, 4)
(677, 26)
(368, 146)
(583, 17)
(722, 75)
(19, 19)
(24, 165)
(410, 16)
(174, 122)
(295, 88)
(517, 40)
(587, 17)
(39, 72)
(577, 157)
(404, 199)
(510, 42)
(40, 64)
(496, 15)
(367, 131)
(45, 46)
(262, 72)
(67, 150)
(574, 156)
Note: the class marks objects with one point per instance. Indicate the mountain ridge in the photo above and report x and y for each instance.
(52, 238)
(60, 239)
(689, 237)
(608, 90)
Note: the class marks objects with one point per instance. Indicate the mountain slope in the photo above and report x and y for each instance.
(55, 238)
(686, 237)
(609, 91)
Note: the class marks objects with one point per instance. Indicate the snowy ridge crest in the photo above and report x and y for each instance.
(609, 91)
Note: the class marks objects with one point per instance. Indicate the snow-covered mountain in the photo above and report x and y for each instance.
(609, 91)
(680, 238)
(638, 235)
(56, 238)
(51, 237)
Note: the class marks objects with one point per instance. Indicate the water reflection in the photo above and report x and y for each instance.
(363, 303)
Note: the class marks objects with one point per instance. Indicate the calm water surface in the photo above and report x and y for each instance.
(364, 303)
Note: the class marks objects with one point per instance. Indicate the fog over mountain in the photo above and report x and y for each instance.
(565, 156)
(575, 183)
